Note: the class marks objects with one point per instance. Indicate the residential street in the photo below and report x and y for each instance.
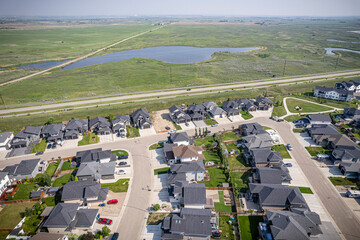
(135, 211)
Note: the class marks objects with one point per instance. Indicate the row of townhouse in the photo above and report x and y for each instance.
(343, 91)
(198, 112)
(287, 214)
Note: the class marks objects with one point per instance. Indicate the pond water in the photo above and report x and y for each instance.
(334, 40)
(42, 65)
(329, 51)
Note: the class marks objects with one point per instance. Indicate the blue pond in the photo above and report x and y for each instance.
(329, 51)
(41, 65)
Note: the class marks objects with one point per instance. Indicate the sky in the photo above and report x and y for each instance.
(321, 8)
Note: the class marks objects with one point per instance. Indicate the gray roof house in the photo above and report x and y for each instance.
(187, 171)
(217, 112)
(196, 112)
(48, 236)
(275, 196)
(95, 155)
(76, 127)
(191, 223)
(275, 175)
(350, 169)
(66, 217)
(141, 119)
(322, 129)
(26, 136)
(263, 103)
(352, 113)
(190, 195)
(333, 93)
(252, 129)
(180, 138)
(246, 105)
(124, 119)
(53, 132)
(96, 171)
(231, 108)
(319, 118)
(297, 224)
(263, 157)
(345, 153)
(83, 191)
(5, 139)
(178, 115)
(257, 141)
(209, 105)
(100, 125)
(25, 169)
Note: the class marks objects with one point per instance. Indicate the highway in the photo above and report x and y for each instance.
(135, 211)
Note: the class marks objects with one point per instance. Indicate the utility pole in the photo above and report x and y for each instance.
(284, 67)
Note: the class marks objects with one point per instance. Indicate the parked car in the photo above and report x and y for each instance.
(115, 236)
(352, 194)
(49, 146)
(39, 153)
(167, 128)
(187, 124)
(53, 146)
(189, 89)
(105, 221)
(280, 120)
(287, 165)
(122, 163)
(172, 131)
(289, 147)
(112, 201)
(214, 125)
(122, 172)
(123, 157)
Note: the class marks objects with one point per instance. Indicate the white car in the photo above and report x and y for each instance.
(122, 172)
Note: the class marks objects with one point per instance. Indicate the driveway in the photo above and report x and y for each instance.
(237, 118)
(297, 175)
(200, 124)
(305, 140)
(259, 113)
(223, 120)
(184, 127)
(106, 138)
(157, 158)
(147, 132)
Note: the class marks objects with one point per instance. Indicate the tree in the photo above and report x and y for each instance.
(72, 236)
(206, 131)
(50, 120)
(105, 231)
(156, 207)
(87, 236)
(196, 133)
(27, 212)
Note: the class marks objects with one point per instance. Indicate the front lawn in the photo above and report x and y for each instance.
(11, 215)
(221, 207)
(246, 115)
(61, 181)
(212, 156)
(292, 118)
(207, 142)
(217, 177)
(241, 180)
(237, 162)
(52, 168)
(226, 228)
(249, 227)
(210, 121)
(337, 181)
(156, 146)
(132, 132)
(24, 190)
(299, 130)
(67, 166)
(39, 147)
(305, 190)
(282, 150)
(316, 150)
(177, 127)
(161, 170)
(229, 136)
(120, 153)
(90, 138)
(305, 106)
(120, 185)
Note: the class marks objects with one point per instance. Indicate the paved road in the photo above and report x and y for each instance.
(167, 92)
(133, 219)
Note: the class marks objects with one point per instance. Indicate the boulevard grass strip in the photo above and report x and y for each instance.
(305, 106)
(246, 115)
(221, 207)
(217, 177)
(305, 190)
(317, 150)
(337, 181)
(132, 132)
(161, 171)
(120, 153)
(11, 214)
(89, 138)
(210, 121)
(39, 147)
(120, 185)
(156, 146)
(282, 150)
(249, 227)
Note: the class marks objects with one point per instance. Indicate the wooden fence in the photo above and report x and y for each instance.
(219, 188)
(20, 201)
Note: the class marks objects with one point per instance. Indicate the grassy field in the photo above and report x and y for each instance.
(300, 43)
(220, 206)
(305, 106)
(67, 166)
(249, 227)
(24, 190)
(337, 181)
(212, 156)
(282, 150)
(89, 138)
(52, 168)
(132, 132)
(161, 171)
(241, 180)
(217, 177)
(210, 121)
(11, 214)
(120, 185)
(39, 147)
(61, 181)
(316, 150)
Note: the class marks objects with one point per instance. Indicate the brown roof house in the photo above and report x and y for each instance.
(185, 153)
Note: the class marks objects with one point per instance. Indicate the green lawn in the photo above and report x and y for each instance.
(316, 150)
(210, 121)
(89, 138)
(208, 141)
(120, 185)
(31, 223)
(61, 181)
(237, 162)
(156, 146)
(177, 127)
(217, 177)
(267, 128)
(246, 115)
(229, 136)
(10, 216)
(67, 166)
(3, 235)
(241, 180)
(226, 228)
(221, 207)
(120, 153)
(305, 190)
(161, 170)
(249, 227)
(24, 190)
(299, 130)
(231, 146)
(49, 201)
(212, 156)
(292, 118)
(337, 181)
(52, 168)
(306, 106)
(132, 132)
(282, 150)
(39, 147)
(278, 109)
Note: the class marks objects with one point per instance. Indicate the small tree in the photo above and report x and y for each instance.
(196, 133)
(206, 131)
(105, 231)
(27, 212)
(72, 236)
(87, 236)
(156, 207)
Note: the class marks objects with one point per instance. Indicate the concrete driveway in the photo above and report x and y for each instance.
(147, 132)
(305, 139)
(157, 158)
(106, 138)
(237, 118)
(259, 113)
(200, 124)
(191, 125)
(223, 120)
(297, 175)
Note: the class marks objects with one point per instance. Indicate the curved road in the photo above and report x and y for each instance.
(135, 211)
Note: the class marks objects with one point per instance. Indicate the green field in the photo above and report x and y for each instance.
(217, 177)
(89, 138)
(212, 156)
(249, 227)
(229, 136)
(282, 150)
(221, 207)
(156, 146)
(11, 214)
(306, 106)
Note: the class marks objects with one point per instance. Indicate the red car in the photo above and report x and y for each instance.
(112, 201)
(105, 221)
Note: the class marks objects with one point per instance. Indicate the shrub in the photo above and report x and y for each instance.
(156, 207)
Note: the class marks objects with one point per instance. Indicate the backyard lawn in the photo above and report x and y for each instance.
(237, 162)
(231, 146)
(120, 153)
(305, 106)
(210, 121)
(246, 115)
(52, 168)
(156, 146)
(316, 150)
(39, 147)
(282, 150)
(217, 177)
(249, 227)
(221, 207)
(89, 138)
(31, 224)
(49, 201)
(337, 181)
(207, 142)
(10, 216)
(229, 136)
(241, 180)
(132, 132)
(226, 228)
(212, 156)
(24, 190)
(161, 170)
(120, 185)
(67, 166)
(61, 181)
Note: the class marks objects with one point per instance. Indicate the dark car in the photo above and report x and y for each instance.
(49, 146)
(105, 221)
(39, 153)
(115, 236)
(189, 89)
(122, 163)
(123, 157)
(53, 145)
(167, 128)
(280, 120)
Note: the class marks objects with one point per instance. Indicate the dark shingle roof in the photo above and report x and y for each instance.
(82, 189)
(62, 215)
(52, 129)
(4, 136)
(26, 167)
(179, 137)
(194, 166)
(319, 117)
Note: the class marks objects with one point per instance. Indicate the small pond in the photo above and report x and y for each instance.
(330, 51)
(42, 65)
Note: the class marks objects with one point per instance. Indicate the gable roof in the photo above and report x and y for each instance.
(140, 113)
(351, 112)
(264, 100)
(187, 151)
(76, 124)
(258, 141)
(322, 129)
(208, 105)
(193, 166)
(47, 236)
(319, 117)
(25, 167)
(196, 108)
(121, 119)
(230, 104)
(265, 155)
(253, 128)
(96, 169)
(83, 189)
(339, 91)
(3, 175)
(32, 130)
(52, 129)
(179, 137)
(100, 122)
(217, 111)
(192, 193)
(62, 215)
(4, 136)
(94, 155)
(269, 175)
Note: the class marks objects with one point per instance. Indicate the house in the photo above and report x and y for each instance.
(26, 136)
(66, 217)
(95, 171)
(76, 127)
(95, 155)
(178, 115)
(48, 236)
(246, 105)
(189, 195)
(25, 169)
(141, 119)
(5, 139)
(231, 108)
(322, 129)
(119, 125)
(352, 113)
(209, 105)
(276, 197)
(349, 86)
(319, 118)
(53, 132)
(4, 182)
(196, 112)
(345, 153)
(190, 224)
(264, 157)
(252, 129)
(263, 140)
(100, 125)
(186, 153)
(350, 169)
(274, 175)
(180, 138)
(188, 171)
(124, 119)
(333, 93)
(217, 112)
(263, 103)
(297, 224)
(83, 192)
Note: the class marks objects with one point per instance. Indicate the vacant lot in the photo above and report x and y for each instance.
(305, 106)
(89, 138)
